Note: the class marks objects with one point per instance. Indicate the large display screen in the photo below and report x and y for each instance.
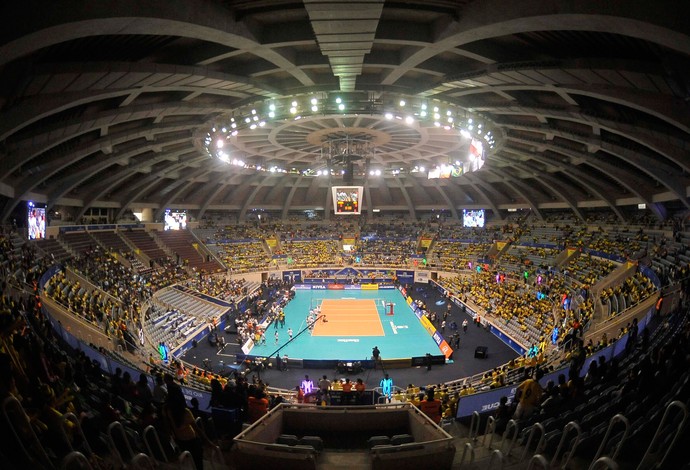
(175, 220)
(347, 199)
(36, 221)
(476, 156)
(473, 218)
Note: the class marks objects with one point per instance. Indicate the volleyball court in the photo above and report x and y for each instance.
(348, 317)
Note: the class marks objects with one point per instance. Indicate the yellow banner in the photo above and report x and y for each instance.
(500, 245)
(425, 242)
(271, 242)
(409, 300)
(428, 326)
(570, 251)
(370, 287)
(348, 241)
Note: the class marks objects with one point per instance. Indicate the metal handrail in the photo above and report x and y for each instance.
(466, 447)
(12, 406)
(76, 431)
(217, 459)
(538, 459)
(489, 429)
(142, 461)
(495, 454)
(76, 459)
(474, 426)
(156, 441)
(512, 425)
(186, 461)
(616, 419)
(569, 453)
(117, 427)
(652, 455)
(536, 427)
(604, 462)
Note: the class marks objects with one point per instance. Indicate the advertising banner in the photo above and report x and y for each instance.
(428, 326)
(484, 402)
(422, 277)
(445, 349)
(370, 286)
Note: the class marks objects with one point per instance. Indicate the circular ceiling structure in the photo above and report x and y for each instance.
(114, 106)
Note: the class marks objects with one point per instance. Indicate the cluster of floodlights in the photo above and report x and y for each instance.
(217, 141)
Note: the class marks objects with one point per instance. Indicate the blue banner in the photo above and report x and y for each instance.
(293, 276)
(507, 340)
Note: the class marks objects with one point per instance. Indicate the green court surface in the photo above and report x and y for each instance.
(403, 335)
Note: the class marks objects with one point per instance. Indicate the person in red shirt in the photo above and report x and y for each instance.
(431, 407)
(347, 392)
(257, 405)
(359, 391)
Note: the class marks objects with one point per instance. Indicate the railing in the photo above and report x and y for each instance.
(540, 445)
(618, 418)
(659, 448)
(474, 426)
(509, 443)
(623, 318)
(467, 448)
(572, 446)
(496, 460)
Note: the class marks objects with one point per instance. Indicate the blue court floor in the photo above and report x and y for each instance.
(404, 336)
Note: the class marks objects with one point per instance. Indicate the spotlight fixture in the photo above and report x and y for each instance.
(219, 138)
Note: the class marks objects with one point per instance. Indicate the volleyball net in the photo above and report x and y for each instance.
(383, 306)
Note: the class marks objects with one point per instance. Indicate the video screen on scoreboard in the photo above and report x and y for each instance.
(175, 220)
(476, 155)
(36, 221)
(347, 199)
(473, 218)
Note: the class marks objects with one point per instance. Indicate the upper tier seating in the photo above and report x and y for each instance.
(145, 243)
(181, 243)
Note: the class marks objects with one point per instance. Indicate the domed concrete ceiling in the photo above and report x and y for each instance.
(241, 105)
